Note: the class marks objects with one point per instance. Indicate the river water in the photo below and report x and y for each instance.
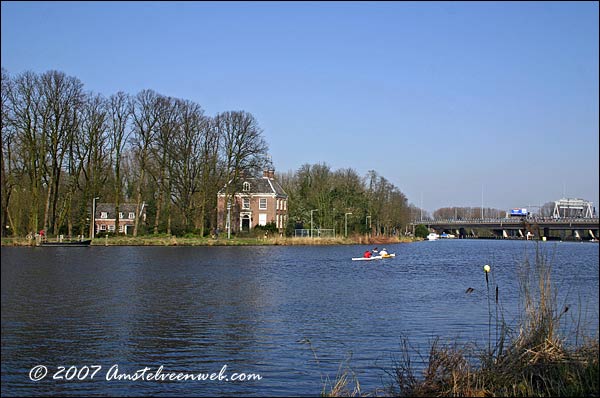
(291, 314)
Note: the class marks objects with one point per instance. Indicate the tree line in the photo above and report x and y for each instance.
(63, 146)
(344, 201)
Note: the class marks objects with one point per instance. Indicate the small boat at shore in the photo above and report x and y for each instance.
(73, 243)
(373, 257)
(432, 236)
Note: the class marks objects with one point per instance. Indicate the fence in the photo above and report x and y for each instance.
(316, 233)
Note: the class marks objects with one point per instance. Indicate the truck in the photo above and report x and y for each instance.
(520, 212)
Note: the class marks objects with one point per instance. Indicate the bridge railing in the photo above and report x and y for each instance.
(511, 220)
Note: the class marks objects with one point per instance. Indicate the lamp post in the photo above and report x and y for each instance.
(228, 219)
(311, 222)
(93, 224)
(346, 224)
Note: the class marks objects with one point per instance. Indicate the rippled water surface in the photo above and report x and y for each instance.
(195, 309)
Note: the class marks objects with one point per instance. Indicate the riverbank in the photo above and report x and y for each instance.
(171, 240)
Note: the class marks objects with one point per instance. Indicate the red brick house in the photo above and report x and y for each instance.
(105, 217)
(257, 201)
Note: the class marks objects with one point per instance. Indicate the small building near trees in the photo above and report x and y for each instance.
(255, 201)
(106, 216)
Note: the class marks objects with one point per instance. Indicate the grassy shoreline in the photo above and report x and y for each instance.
(171, 240)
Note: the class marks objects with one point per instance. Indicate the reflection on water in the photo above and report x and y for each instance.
(195, 309)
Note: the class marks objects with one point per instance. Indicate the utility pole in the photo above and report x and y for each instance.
(346, 224)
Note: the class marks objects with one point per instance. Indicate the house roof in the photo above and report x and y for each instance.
(258, 185)
(110, 209)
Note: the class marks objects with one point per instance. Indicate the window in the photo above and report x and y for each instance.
(262, 204)
(262, 219)
(245, 203)
(131, 215)
(103, 227)
(121, 228)
(111, 228)
(120, 214)
(246, 186)
(103, 214)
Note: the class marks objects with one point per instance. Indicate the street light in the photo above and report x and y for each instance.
(228, 219)
(311, 222)
(93, 224)
(346, 224)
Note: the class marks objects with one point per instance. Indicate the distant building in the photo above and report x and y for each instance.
(105, 217)
(257, 201)
(573, 208)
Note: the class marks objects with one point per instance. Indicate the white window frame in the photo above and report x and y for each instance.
(102, 227)
(121, 228)
(262, 219)
(121, 215)
(131, 215)
(111, 227)
(246, 186)
(245, 203)
(104, 214)
(262, 203)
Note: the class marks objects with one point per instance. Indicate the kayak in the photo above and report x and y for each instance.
(366, 258)
(373, 257)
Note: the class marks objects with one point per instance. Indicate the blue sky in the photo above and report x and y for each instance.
(452, 102)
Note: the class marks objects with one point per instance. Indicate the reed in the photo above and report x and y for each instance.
(532, 359)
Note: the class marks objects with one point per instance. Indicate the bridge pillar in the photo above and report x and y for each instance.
(592, 234)
(504, 234)
(521, 234)
(546, 232)
(576, 234)
(462, 233)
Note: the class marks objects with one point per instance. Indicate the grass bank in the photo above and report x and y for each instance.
(171, 240)
(543, 355)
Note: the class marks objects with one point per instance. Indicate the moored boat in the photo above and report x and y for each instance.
(72, 243)
(432, 236)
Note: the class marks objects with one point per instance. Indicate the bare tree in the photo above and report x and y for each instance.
(244, 149)
(92, 147)
(194, 152)
(119, 107)
(24, 101)
(8, 177)
(145, 109)
(167, 126)
(62, 97)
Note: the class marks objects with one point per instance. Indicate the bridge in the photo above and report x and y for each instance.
(518, 228)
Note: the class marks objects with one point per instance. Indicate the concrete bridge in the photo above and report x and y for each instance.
(519, 228)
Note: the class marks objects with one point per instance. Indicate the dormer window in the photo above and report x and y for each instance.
(246, 186)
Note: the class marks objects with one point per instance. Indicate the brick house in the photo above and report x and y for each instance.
(105, 217)
(257, 201)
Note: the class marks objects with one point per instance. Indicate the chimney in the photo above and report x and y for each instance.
(269, 173)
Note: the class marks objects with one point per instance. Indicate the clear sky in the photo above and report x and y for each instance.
(457, 104)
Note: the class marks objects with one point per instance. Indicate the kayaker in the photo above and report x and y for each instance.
(367, 254)
(383, 252)
(375, 250)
